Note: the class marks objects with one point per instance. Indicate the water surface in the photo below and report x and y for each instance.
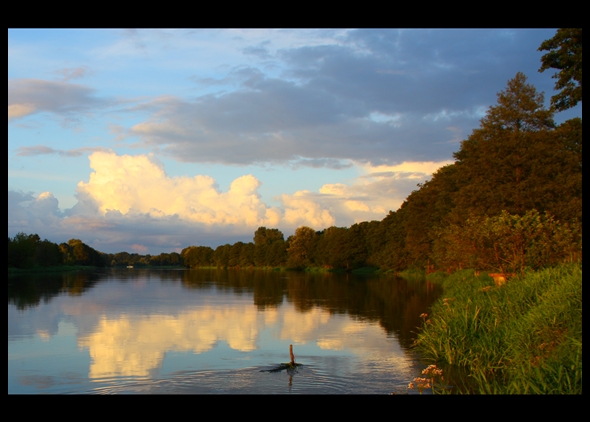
(212, 332)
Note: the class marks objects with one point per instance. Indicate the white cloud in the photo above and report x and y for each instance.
(139, 184)
(303, 209)
(370, 197)
(130, 203)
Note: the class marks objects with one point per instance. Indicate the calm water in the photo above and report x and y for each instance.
(212, 331)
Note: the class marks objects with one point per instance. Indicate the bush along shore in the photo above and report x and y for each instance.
(522, 337)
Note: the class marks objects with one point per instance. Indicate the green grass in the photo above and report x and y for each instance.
(437, 277)
(524, 337)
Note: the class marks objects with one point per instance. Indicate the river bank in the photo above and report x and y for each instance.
(524, 337)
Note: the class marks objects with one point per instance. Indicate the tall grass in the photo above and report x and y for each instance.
(524, 337)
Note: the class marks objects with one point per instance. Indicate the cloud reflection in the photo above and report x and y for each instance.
(135, 345)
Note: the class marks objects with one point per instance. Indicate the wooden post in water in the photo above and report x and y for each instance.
(292, 355)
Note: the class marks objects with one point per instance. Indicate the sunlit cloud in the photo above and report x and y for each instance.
(20, 110)
(417, 169)
(130, 201)
(139, 248)
(139, 184)
(371, 196)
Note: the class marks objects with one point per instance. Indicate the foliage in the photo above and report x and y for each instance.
(302, 247)
(565, 55)
(507, 243)
(511, 154)
(269, 247)
(21, 250)
(426, 209)
(29, 251)
(197, 256)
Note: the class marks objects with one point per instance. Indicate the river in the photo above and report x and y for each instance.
(208, 331)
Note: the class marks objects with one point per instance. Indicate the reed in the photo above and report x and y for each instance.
(524, 337)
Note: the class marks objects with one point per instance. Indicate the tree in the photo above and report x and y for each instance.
(197, 256)
(565, 54)
(48, 254)
(21, 250)
(269, 247)
(504, 162)
(331, 246)
(302, 247)
(221, 255)
(426, 210)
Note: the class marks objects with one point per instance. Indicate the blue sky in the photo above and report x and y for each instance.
(152, 140)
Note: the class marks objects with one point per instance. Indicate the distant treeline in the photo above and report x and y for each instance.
(26, 251)
(512, 200)
(29, 251)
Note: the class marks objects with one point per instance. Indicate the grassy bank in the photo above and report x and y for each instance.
(524, 337)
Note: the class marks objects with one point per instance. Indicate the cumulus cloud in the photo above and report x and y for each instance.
(130, 203)
(139, 185)
(28, 214)
(134, 185)
(370, 197)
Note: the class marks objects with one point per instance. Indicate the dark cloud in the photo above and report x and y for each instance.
(281, 122)
(321, 163)
(379, 96)
(259, 51)
(62, 98)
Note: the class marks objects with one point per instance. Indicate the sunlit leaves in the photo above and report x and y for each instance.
(508, 243)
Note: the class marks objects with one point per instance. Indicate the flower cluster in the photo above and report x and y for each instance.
(421, 383)
(433, 371)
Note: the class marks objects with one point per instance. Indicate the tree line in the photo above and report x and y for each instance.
(26, 251)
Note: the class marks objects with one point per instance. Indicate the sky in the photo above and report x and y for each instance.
(152, 140)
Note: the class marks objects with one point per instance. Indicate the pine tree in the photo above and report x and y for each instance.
(502, 162)
(565, 54)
